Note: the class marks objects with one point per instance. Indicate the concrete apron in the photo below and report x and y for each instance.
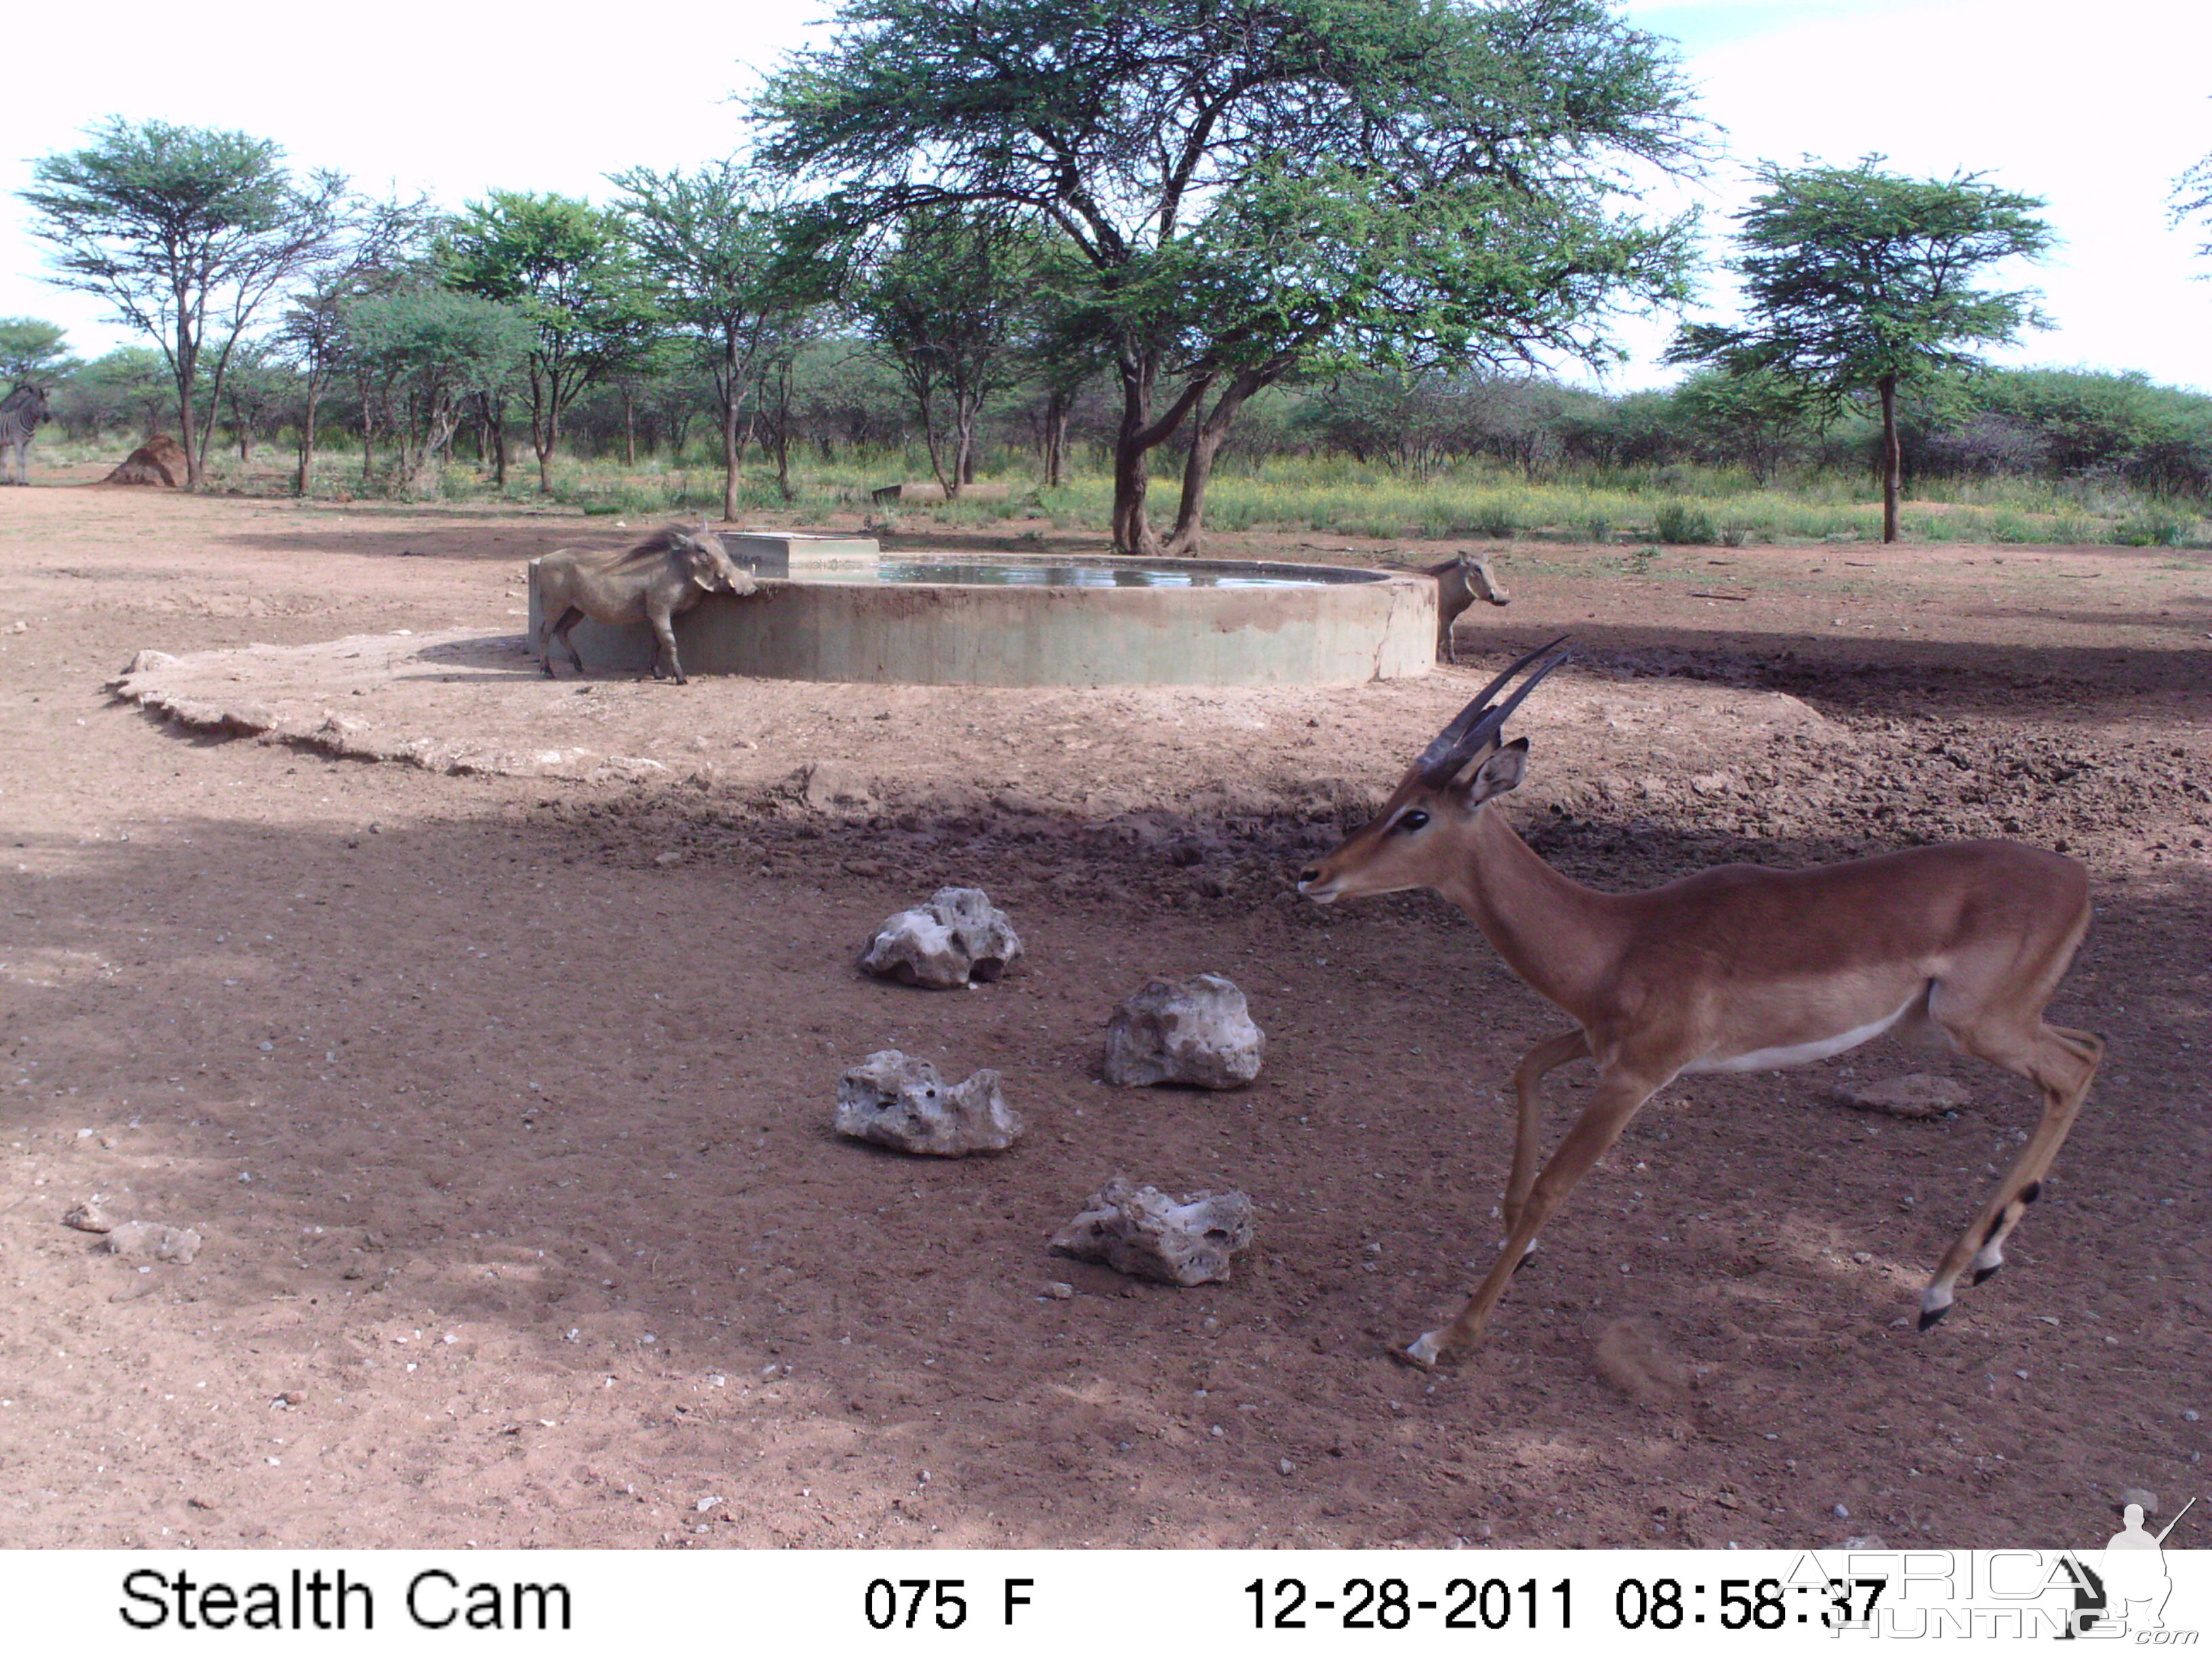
(1345, 633)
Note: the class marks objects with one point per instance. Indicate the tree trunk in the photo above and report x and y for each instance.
(934, 440)
(1206, 441)
(730, 455)
(424, 483)
(630, 428)
(1135, 440)
(1055, 439)
(186, 366)
(195, 452)
(544, 425)
(305, 482)
(1890, 457)
(1132, 534)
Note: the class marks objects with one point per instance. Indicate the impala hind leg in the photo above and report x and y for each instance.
(1528, 1137)
(2061, 1062)
(1619, 1096)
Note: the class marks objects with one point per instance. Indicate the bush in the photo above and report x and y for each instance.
(1683, 524)
(1496, 520)
(2155, 523)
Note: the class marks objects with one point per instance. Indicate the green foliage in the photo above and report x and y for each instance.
(422, 352)
(566, 267)
(1757, 417)
(1853, 276)
(950, 305)
(1252, 185)
(720, 245)
(129, 387)
(1683, 524)
(185, 232)
(33, 352)
(2155, 524)
(446, 344)
(1855, 282)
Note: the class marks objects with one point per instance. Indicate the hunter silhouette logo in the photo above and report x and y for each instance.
(2126, 1591)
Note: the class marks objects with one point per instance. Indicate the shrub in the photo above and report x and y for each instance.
(1496, 520)
(1683, 524)
(2155, 523)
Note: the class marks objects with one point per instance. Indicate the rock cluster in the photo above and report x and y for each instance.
(1196, 1031)
(178, 1244)
(959, 936)
(894, 1100)
(1141, 1231)
(1917, 1094)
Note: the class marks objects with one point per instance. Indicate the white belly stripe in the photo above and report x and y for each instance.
(1768, 1059)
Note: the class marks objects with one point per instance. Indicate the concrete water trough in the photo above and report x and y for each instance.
(836, 609)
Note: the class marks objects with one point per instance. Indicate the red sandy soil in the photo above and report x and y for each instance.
(498, 1087)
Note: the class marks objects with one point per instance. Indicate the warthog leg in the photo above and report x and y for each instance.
(665, 631)
(558, 629)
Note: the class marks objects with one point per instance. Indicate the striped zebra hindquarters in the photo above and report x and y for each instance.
(20, 412)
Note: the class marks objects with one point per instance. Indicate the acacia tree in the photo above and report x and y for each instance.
(950, 305)
(186, 233)
(383, 242)
(1857, 282)
(715, 241)
(2192, 199)
(33, 352)
(425, 351)
(1757, 417)
(1250, 185)
(130, 386)
(565, 266)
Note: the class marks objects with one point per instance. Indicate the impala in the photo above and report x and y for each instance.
(1738, 969)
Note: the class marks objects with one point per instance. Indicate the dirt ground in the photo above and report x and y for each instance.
(487, 1030)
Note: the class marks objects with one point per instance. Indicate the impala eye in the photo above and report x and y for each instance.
(1409, 822)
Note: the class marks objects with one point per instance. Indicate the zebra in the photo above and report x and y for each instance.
(20, 412)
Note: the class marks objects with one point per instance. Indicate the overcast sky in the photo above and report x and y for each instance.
(2096, 108)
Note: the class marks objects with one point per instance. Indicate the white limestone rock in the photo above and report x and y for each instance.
(1141, 1231)
(1196, 1031)
(897, 1101)
(959, 936)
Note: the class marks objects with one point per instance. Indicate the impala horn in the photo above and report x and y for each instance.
(1479, 723)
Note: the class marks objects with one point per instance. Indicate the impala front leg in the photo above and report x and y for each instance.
(1620, 1095)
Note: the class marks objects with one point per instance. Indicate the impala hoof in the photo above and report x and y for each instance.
(1981, 1273)
(1934, 1304)
(1424, 1349)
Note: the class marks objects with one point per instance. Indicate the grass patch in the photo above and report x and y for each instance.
(1325, 496)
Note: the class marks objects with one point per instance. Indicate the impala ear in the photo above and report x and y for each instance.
(1496, 774)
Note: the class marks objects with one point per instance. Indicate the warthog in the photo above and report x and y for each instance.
(660, 577)
(1460, 581)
